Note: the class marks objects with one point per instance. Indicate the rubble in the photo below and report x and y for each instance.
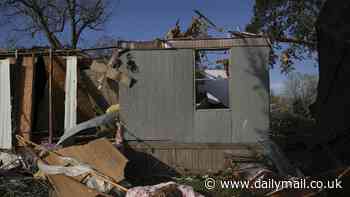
(79, 169)
(169, 189)
(9, 161)
(23, 186)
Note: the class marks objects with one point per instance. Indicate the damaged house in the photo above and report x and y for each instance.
(192, 107)
(189, 101)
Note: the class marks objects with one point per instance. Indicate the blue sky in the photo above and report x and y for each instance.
(150, 19)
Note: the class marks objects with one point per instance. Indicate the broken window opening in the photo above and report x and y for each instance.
(212, 79)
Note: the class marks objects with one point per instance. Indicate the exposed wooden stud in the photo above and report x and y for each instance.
(50, 98)
(26, 90)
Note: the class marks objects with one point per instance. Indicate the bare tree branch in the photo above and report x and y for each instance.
(51, 17)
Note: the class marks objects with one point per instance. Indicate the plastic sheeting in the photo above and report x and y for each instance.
(74, 170)
(100, 120)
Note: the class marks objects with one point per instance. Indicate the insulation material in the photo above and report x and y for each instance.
(70, 118)
(67, 186)
(75, 170)
(5, 105)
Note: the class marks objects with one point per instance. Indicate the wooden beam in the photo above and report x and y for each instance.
(26, 90)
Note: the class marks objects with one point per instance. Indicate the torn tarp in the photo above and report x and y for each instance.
(100, 120)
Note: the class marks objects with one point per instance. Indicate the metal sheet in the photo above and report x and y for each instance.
(160, 105)
(70, 117)
(209, 43)
(212, 126)
(249, 93)
(219, 43)
(5, 105)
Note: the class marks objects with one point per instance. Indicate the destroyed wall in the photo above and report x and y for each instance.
(161, 106)
(28, 78)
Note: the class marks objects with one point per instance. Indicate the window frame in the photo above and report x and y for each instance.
(195, 79)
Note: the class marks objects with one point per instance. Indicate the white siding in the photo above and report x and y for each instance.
(70, 117)
(5, 105)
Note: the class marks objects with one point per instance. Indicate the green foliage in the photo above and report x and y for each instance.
(290, 111)
(287, 123)
(301, 91)
(287, 21)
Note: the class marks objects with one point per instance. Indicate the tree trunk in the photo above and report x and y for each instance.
(333, 101)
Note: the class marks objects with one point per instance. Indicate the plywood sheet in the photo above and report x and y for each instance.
(65, 187)
(100, 154)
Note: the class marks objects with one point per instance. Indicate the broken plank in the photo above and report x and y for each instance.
(66, 186)
(100, 154)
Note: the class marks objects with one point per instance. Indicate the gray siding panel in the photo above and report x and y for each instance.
(213, 126)
(160, 105)
(5, 105)
(249, 92)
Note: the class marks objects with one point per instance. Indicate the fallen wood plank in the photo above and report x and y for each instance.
(66, 187)
(100, 154)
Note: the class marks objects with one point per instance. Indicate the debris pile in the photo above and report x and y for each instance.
(79, 169)
(22, 185)
(92, 169)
